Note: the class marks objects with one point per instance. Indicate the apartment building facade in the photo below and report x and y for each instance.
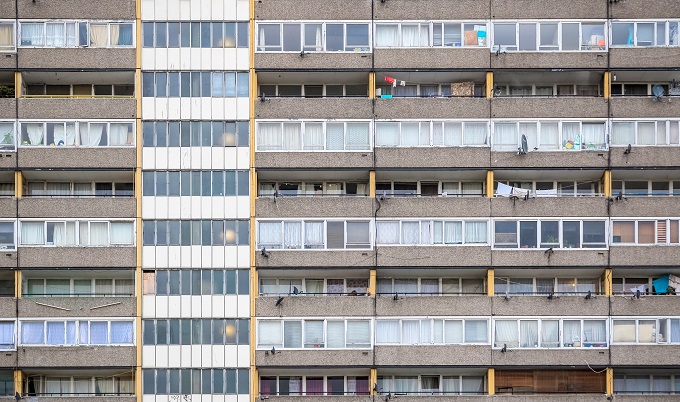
(366, 200)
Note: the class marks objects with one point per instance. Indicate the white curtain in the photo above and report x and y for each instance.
(314, 235)
(292, 235)
(32, 34)
(82, 386)
(476, 331)
(593, 136)
(571, 137)
(103, 287)
(405, 385)
(451, 385)
(358, 333)
(675, 330)
(91, 136)
(118, 133)
(387, 134)
(550, 333)
(623, 133)
(414, 35)
(121, 332)
(453, 331)
(387, 232)
(425, 331)
(505, 137)
(335, 334)
(269, 333)
(335, 136)
(530, 130)
(424, 134)
(409, 134)
(99, 233)
(387, 331)
(269, 234)
(550, 136)
(425, 232)
(54, 33)
(406, 286)
(475, 232)
(32, 233)
(99, 35)
(99, 332)
(269, 136)
(528, 333)
(33, 332)
(55, 333)
(410, 233)
(125, 287)
(475, 133)
(473, 385)
(646, 133)
(357, 136)
(506, 333)
(386, 35)
(35, 133)
(453, 232)
(292, 136)
(313, 137)
(6, 335)
(384, 286)
(571, 330)
(122, 233)
(595, 331)
(58, 188)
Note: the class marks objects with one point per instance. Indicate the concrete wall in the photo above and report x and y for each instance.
(644, 355)
(529, 9)
(294, 10)
(61, 157)
(644, 206)
(541, 305)
(565, 107)
(645, 156)
(549, 206)
(77, 307)
(113, 9)
(432, 108)
(432, 58)
(432, 355)
(77, 256)
(315, 357)
(646, 306)
(424, 9)
(8, 106)
(313, 258)
(8, 259)
(102, 108)
(74, 207)
(8, 160)
(644, 255)
(433, 256)
(315, 306)
(432, 157)
(313, 61)
(637, 107)
(77, 356)
(541, 258)
(445, 207)
(433, 306)
(314, 160)
(551, 357)
(313, 207)
(314, 108)
(550, 159)
(635, 9)
(78, 58)
(8, 207)
(523, 60)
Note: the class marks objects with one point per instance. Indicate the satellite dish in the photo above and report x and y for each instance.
(497, 91)
(658, 92)
(263, 97)
(524, 146)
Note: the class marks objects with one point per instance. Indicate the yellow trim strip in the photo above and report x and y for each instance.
(491, 381)
(371, 85)
(490, 280)
(139, 278)
(489, 85)
(254, 380)
(17, 284)
(607, 84)
(17, 84)
(372, 282)
(610, 381)
(607, 279)
(607, 183)
(489, 183)
(18, 382)
(373, 381)
(18, 183)
(371, 183)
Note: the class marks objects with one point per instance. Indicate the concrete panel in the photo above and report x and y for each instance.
(647, 398)
(638, 9)
(77, 58)
(644, 355)
(645, 156)
(110, 9)
(325, 398)
(101, 108)
(8, 107)
(316, 358)
(433, 355)
(433, 256)
(540, 305)
(443, 398)
(77, 356)
(432, 58)
(551, 398)
(8, 160)
(90, 398)
(445, 207)
(295, 10)
(8, 307)
(8, 9)
(646, 306)
(314, 108)
(53, 157)
(550, 159)
(549, 206)
(8, 359)
(8, 207)
(640, 107)
(645, 206)
(647, 255)
(8, 259)
(551, 357)
(526, 108)
(432, 108)
(8, 61)
(590, 60)
(315, 306)
(470, 305)
(314, 160)
(313, 258)
(529, 9)
(77, 256)
(432, 157)
(314, 207)
(663, 57)
(559, 258)
(74, 207)
(428, 10)
(313, 61)
(77, 307)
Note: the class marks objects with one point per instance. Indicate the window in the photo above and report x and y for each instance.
(549, 136)
(644, 33)
(313, 37)
(642, 133)
(195, 183)
(648, 331)
(195, 133)
(77, 233)
(431, 133)
(173, 84)
(641, 383)
(78, 134)
(7, 36)
(41, 287)
(646, 232)
(547, 36)
(313, 385)
(429, 331)
(546, 286)
(545, 381)
(313, 136)
(312, 189)
(7, 238)
(428, 384)
(196, 232)
(67, 386)
(77, 332)
(195, 381)
(431, 232)
(316, 234)
(297, 334)
(314, 90)
(197, 282)
(196, 332)
(314, 287)
(553, 234)
(550, 333)
(78, 189)
(76, 34)
(430, 286)
(173, 34)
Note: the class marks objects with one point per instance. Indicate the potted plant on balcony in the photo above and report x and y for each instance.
(6, 140)
(6, 91)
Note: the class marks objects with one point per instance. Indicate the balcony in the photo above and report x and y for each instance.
(77, 256)
(33, 306)
(429, 355)
(316, 358)
(314, 206)
(433, 256)
(315, 306)
(77, 207)
(76, 58)
(412, 305)
(292, 10)
(313, 108)
(77, 356)
(322, 398)
(560, 305)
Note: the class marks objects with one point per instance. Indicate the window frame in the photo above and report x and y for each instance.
(324, 26)
(583, 47)
(560, 244)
